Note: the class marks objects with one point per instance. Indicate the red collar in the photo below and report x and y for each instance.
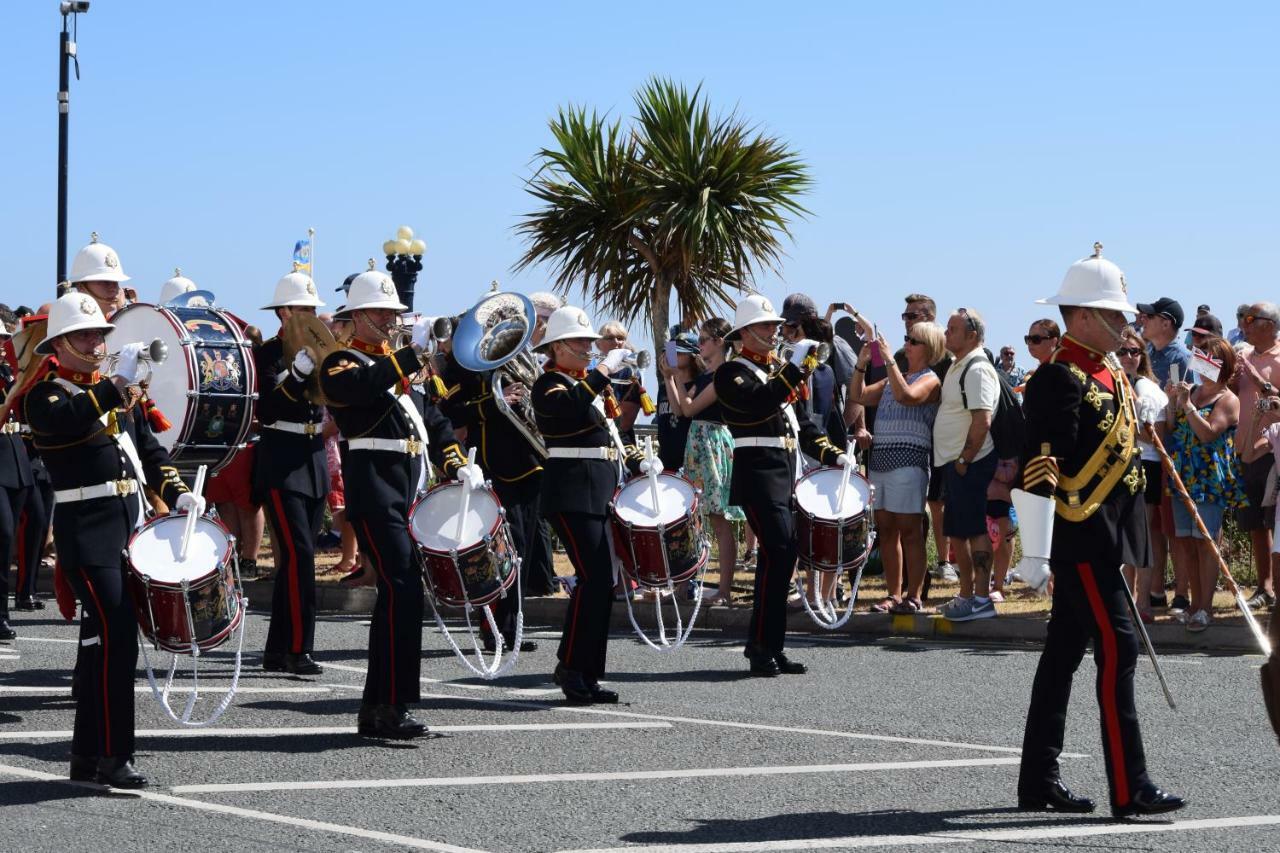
(576, 374)
(78, 377)
(367, 348)
(1080, 352)
(1088, 359)
(765, 360)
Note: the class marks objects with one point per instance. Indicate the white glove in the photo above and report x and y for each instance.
(1149, 411)
(801, 352)
(302, 364)
(422, 334)
(650, 466)
(843, 460)
(614, 359)
(471, 476)
(127, 367)
(192, 503)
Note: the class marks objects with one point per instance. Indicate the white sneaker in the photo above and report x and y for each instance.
(945, 571)
(1198, 621)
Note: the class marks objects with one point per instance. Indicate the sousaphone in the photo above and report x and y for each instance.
(309, 332)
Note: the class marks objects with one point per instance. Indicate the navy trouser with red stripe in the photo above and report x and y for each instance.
(295, 520)
(106, 663)
(395, 632)
(520, 501)
(586, 623)
(33, 528)
(1088, 604)
(774, 526)
(11, 501)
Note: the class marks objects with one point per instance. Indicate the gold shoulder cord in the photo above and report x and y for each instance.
(1109, 462)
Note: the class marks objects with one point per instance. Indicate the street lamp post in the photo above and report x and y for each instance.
(404, 262)
(66, 55)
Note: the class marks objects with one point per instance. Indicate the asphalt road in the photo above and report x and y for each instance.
(889, 745)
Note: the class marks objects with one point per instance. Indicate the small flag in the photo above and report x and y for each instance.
(302, 256)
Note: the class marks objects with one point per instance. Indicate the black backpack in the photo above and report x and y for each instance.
(1008, 426)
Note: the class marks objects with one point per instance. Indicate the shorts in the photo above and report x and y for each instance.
(901, 490)
(1184, 525)
(965, 500)
(935, 483)
(998, 509)
(1255, 516)
(234, 483)
(1155, 482)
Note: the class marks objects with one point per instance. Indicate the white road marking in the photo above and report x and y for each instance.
(958, 836)
(27, 639)
(142, 688)
(292, 731)
(253, 814)
(621, 776)
(360, 669)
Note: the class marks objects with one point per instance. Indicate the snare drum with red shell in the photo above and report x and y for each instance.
(662, 544)
(831, 537)
(474, 568)
(184, 601)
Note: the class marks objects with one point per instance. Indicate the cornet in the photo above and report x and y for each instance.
(155, 353)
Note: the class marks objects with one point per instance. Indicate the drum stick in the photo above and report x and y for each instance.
(466, 499)
(653, 475)
(844, 479)
(192, 517)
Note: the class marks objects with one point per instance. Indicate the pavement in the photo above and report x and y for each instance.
(890, 742)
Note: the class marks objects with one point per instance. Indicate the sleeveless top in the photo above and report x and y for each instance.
(904, 434)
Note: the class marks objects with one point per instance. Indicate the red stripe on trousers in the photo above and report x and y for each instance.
(21, 553)
(295, 599)
(762, 566)
(391, 608)
(577, 598)
(102, 638)
(1110, 716)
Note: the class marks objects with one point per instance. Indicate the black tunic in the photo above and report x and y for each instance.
(284, 460)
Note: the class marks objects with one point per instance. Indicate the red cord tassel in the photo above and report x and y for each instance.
(155, 417)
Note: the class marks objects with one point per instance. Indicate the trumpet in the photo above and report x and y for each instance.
(402, 332)
(155, 353)
(821, 352)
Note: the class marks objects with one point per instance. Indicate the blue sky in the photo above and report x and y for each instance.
(969, 151)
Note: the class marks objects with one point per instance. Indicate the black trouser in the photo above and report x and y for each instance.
(294, 520)
(33, 529)
(106, 662)
(11, 501)
(395, 634)
(774, 527)
(586, 623)
(539, 571)
(520, 501)
(1088, 604)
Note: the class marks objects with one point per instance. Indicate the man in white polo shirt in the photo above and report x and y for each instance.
(963, 449)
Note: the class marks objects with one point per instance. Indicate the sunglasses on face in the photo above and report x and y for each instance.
(1253, 318)
(912, 315)
(1129, 351)
(1038, 339)
(907, 339)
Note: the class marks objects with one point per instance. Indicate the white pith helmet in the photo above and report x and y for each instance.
(372, 289)
(1093, 282)
(72, 312)
(96, 262)
(176, 286)
(754, 309)
(295, 290)
(567, 323)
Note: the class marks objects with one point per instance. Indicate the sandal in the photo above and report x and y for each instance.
(720, 601)
(884, 606)
(907, 607)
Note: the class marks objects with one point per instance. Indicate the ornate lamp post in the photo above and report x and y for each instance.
(404, 262)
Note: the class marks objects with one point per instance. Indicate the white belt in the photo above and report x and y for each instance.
(582, 452)
(11, 428)
(779, 442)
(295, 427)
(411, 446)
(109, 489)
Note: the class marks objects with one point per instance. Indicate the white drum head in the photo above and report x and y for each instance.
(170, 382)
(818, 494)
(435, 518)
(634, 503)
(154, 551)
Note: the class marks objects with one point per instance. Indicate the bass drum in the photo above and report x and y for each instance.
(206, 385)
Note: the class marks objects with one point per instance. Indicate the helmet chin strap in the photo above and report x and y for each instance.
(1117, 337)
(364, 318)
(95, 357)
(768, 344)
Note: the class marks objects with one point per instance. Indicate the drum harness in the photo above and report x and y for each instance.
(125, 442)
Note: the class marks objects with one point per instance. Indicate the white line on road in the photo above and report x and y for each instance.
(254, 814)
(294, 731)
(142, 688)
(621, 776)
(959, 836)
(360, 669)
(27, 639)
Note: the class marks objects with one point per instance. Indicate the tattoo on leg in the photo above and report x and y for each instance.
(982, 561)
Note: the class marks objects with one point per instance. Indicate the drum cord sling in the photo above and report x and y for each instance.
(682, 631)
(497, 667)
(826, 616)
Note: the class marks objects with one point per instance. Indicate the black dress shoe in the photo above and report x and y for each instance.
(763, 666)
(118, 772)
(1149, 800)
(28, 604)
(6, 631)
(602, 696)
(83, 768)
(574, 685)
(302, 664)
(388, 721)
(525, 645)
(272, 662)
(1056, 797)
(790, 667)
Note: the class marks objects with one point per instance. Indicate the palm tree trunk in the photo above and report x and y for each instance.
(659, 316)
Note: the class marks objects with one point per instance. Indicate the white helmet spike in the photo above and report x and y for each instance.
(295, 290)
(176, 286)
(72, 312)
(1093, 282)
(96, 262)
(756, 308)
(372, 290)
(567, 323)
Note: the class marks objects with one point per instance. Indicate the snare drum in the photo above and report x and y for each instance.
(474, 568)
(830, 537)
(179, 602)
(659, 544)
(205, 386)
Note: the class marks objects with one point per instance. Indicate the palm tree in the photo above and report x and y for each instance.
(677, 202)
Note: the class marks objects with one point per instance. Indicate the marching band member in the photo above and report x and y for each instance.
(290, 480)
(1083, 505)
(96, 271)
(756, 396)
(175, 287)
(388, 428)
(16, 483)
(582, 471)
(98, 446)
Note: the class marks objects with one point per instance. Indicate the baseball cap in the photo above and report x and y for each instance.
(1207, 324)
(1164, 307)
(687, 342)
(797, 308)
